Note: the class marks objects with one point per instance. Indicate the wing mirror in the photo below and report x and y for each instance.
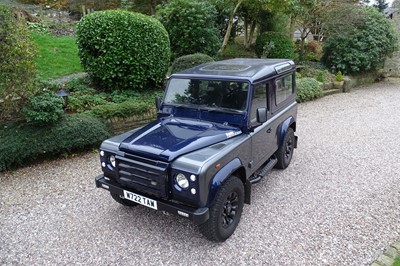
(261, 115)
(158, 103)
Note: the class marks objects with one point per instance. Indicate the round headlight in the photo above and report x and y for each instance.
(112, 160)
(182, 181)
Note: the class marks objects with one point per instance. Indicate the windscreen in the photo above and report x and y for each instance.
(208, 93)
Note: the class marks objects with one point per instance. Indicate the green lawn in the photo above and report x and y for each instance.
(58, 56)
(397, 262)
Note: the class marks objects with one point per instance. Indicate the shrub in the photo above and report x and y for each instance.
(22, 143)
(236, 50)
(274, 45)
(44, 108)
(17, 68)
(123, 50)
(191, 27)
(363, 47)
(313, 51)
(38, 28)
(320, 77)
(189, 61)
(308, 89)
(339, 76)
(124, 109)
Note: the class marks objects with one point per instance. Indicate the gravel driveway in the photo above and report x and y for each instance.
(338, 203)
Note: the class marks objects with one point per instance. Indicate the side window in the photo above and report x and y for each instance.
(284, 89)
(259, 100)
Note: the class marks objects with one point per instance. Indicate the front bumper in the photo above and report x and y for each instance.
(197, 216)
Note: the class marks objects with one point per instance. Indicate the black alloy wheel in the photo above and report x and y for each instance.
(225, 211)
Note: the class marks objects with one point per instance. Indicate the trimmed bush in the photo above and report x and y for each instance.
(17, 68)
(274, 45)
(23, 143)
(191, 27)
(44, 108)
(308, 89)
(123, 50)
(124, 109)
(363, 47)
(189, 61)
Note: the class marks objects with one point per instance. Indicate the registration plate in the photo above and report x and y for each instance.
(140, 199)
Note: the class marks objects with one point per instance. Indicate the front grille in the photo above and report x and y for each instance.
(144, 175)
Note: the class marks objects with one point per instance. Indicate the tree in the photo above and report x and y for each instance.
(305, 17)
(381, 5)
(191, 27)
(236, 5)
(396, 4)
(363, 45)
(251, 8)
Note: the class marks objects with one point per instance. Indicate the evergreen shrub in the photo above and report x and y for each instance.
(308, 89)
(189, 61)
(124, 109)
(191, 26)
(123, 50)
(274, 45)
(23, 143)
(44, 108)
(363, 47)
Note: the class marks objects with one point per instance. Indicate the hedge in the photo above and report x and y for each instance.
(26, 142)
(124, 109)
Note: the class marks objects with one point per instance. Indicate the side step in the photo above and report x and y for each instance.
(264, 171)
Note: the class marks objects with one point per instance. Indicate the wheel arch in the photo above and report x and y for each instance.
(234, 167)
(283, 128)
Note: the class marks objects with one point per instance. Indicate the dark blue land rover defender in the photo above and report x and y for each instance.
(221, 127)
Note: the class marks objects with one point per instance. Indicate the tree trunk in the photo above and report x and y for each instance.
(250, 38)
(246, 31)
(153, 5)
(304, 35)
(292, 27)
(230, 24)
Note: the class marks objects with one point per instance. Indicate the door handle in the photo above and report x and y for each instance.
(269, 130)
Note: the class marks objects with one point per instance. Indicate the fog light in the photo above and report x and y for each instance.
(193, 178)
(182, 181)
(101, 153)
(112, 160)
(103, 164)
(193, 190)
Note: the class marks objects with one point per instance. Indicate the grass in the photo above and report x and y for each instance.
(58, 56)
(397, 262)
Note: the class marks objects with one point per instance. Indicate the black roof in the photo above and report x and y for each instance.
(239, 68)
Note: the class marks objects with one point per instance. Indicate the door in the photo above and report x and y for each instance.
(264, 137)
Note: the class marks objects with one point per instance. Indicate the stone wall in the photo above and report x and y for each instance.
(392, 65)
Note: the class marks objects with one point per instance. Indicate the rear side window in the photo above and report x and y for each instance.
(284, 89)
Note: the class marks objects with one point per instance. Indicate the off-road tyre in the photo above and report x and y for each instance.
(285, 152)
(123, 201)
(225, 211)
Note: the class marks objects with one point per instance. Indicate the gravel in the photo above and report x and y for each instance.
(338, 203)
